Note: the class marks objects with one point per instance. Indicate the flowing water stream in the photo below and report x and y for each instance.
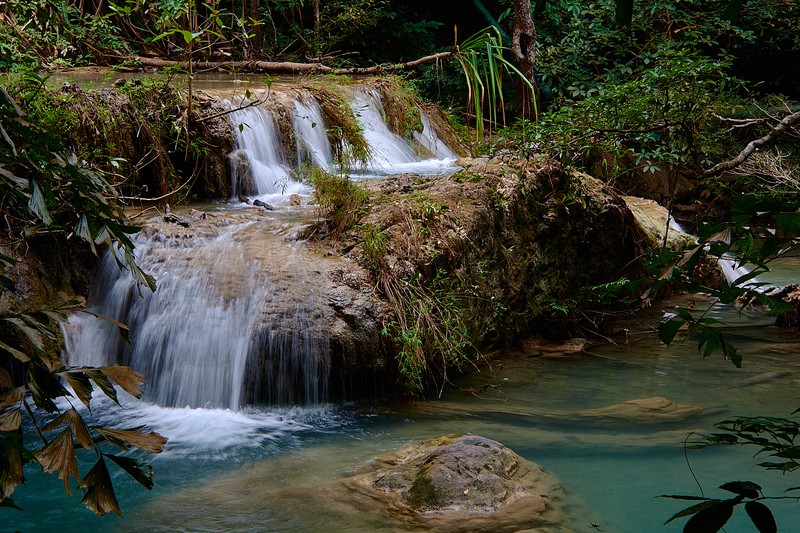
(234, 464)
(269, 469)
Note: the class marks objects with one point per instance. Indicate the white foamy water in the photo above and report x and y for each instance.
(203, 339)
(258, 166)
(389, 152)
(310, 134)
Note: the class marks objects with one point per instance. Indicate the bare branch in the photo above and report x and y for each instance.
(289, 67)
(784, 125)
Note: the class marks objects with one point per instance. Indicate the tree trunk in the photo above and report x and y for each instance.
(254, 12)
(523, 47)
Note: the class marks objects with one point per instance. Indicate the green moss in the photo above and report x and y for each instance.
(403, 115)
(422, 492)
(344, 132)
(342, 201)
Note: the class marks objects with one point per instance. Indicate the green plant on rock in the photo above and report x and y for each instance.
(342, 201)
(344, 131)
(46, 191)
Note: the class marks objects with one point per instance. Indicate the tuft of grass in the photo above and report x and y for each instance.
(340, 200)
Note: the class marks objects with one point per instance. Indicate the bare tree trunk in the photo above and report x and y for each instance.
(254, 8)
(523, 46)
(317, 30)
(291, 67)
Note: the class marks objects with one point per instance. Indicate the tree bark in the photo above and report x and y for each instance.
(785, 124)
(290, 67)
(523, 47)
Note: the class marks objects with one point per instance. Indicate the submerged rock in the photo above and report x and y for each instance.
(655, 409)
(463, 483)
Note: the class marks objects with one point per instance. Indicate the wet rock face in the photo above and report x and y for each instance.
(464, 483)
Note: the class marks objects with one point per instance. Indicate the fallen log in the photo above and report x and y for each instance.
(289, 67)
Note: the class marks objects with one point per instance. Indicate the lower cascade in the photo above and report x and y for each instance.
(222, 330)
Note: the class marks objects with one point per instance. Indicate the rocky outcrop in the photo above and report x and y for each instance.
(462, 483)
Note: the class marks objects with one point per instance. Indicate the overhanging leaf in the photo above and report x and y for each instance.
(693, 509)
(141, 472)
(12, 396)
(11, 473)
(99, 497)
(80, 384)
(748, 489)
(147, 442)
(59, 454)
(668, 328)
(10, 420)
(72, 418)
(761, 516)
(103, 382)
(710, 520)
(125, 377)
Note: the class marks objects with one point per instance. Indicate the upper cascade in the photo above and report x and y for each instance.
(278, 132)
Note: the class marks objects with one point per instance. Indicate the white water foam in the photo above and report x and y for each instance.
(309, 129)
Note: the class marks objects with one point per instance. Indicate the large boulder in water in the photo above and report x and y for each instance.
(463, 483)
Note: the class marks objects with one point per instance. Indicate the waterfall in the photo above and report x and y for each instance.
(309, 130)
(428, 138)
(200, 339)
(258, 166)
(391, 153)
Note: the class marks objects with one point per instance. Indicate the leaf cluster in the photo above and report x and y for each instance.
(45, 190)
(758, 233)
(711, 515)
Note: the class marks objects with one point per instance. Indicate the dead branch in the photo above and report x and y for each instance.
(289, 67)
(785, 124)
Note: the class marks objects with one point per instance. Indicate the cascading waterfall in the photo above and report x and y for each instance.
(225, 328)
(309, 129)
(258, 166)
(391, 153)
(201, 332)
(428, 138)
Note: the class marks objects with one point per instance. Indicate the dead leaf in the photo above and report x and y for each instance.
(148, 442)
(59, 454)
(99, 497)
(128, 379)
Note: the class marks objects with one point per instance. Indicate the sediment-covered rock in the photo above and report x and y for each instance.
(462, 483)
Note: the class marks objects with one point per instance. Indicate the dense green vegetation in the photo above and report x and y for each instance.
(673, 100)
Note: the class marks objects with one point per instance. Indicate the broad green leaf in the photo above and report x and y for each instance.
(99, 497)
(668, 328)
(761, 516)
(38, 206)
(693, 509)
(59, 454)
(147, 442)
(748, 489)
(141, 472)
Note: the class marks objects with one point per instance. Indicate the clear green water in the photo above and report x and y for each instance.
(273, 469)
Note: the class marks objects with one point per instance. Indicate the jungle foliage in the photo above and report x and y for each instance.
(46, 191)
